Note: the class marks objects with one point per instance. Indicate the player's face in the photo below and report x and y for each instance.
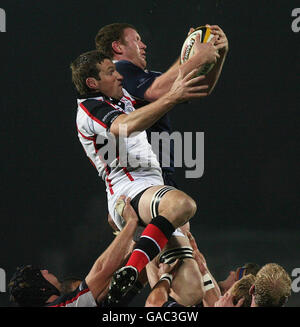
(133, 48)
(110, 82)
(229, 281)
(231, 278)
(50, 278)
(229, 291)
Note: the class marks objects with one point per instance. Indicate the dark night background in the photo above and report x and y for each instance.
(53, 210)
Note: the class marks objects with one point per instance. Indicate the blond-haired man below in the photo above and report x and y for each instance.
(272, 287)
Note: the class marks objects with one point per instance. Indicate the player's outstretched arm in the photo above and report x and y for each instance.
(185, 87)
(113, 257)
(204, 53)
(160, 292)
(212, 290)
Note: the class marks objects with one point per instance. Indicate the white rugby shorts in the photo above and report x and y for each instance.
(131, 189)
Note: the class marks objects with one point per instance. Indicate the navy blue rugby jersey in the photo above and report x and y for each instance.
(136, 82)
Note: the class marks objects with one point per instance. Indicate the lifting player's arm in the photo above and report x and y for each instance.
(184, 88)
(204, 53)
(211, 287)
(113, 257)
(160, 292)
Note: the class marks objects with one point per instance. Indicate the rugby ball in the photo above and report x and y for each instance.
(187, 50)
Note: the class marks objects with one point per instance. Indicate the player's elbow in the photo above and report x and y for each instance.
(121, 127)
(122, 131)
(154, 301)
(154, 92)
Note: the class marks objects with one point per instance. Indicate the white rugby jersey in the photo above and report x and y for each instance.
(95, 114)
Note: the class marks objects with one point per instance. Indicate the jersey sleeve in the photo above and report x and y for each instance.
(81, 297)
(101, 113)
(136, 80)
(172, 304)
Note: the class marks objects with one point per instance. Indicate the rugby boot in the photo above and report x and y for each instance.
(122, 282)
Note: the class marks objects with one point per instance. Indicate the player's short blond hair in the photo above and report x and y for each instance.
(241, 289)
(272, 286)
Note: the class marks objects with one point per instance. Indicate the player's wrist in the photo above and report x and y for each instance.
(200, 58)
(168, 277)
(170, 99)
(208, 283)
(132, 221)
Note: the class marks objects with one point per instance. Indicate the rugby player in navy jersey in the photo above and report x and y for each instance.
(122, 43)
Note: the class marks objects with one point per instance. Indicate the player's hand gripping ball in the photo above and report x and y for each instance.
(188, 50)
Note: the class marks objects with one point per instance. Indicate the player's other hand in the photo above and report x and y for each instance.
(186, 87)
(125, 209)
(221, 42)
(169, 268)
(190, 31)
(206, 52)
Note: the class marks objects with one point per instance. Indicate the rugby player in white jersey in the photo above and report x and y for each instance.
(106, 111)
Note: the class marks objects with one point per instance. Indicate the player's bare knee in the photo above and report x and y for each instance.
(177, 207)
(192, 207)
(185, 209)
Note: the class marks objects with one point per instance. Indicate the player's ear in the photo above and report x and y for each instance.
(116, 46)
(91, 82)
(252, 289)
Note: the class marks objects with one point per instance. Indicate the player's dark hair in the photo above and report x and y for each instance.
(28, 287)
(248, 268)
(67, 284)
(86, 66)
(251, 268)
(108, 34)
